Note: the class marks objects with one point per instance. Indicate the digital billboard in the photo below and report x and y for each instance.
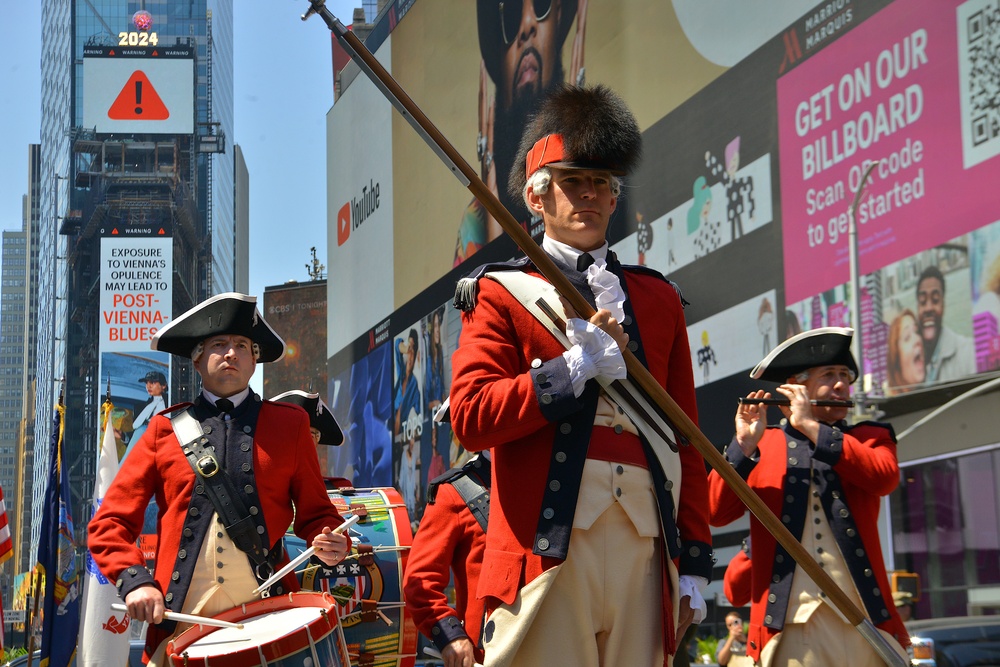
(139, 90)
(757, 124)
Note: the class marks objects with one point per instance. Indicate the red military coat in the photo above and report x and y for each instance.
(863, 461)
(736, 582)
(285, 470)
(449, 544)
(496, 403)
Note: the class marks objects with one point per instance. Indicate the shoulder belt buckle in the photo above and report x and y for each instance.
(208, 465)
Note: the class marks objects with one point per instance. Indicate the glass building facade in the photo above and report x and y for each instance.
(945, 519)
(68, 285)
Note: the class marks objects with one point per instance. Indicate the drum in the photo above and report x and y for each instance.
(368, 584)
(293, 630)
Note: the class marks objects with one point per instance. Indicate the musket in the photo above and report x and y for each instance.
(638, 374)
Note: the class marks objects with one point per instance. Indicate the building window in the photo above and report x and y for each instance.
(946, 527)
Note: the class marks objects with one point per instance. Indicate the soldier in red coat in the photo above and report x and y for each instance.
(257, 453)
(448, 548)
(594, 554)
(825, 479)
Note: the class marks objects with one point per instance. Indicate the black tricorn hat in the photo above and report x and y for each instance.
(491, 30)
(578, 128)
(826, 346)
(320, 417)
(231, 314)
(154, 376)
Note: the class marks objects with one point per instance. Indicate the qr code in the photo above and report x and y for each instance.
(979, 74)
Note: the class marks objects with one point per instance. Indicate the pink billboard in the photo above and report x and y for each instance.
(888, 90)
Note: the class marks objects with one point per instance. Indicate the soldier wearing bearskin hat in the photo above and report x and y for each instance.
(225, 495)
(825, 479)
(593, 554)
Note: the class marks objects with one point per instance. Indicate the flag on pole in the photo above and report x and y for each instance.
(6, 545)
(6, 551)
(57, 559)
(104, 634)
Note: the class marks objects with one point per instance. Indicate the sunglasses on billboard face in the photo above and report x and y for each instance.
(511, 12)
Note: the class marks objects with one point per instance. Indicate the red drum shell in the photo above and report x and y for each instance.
(202, 645)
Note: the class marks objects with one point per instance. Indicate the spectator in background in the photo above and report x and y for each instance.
(904, 605)
(905, 353)
(947, 355)
(733, 651)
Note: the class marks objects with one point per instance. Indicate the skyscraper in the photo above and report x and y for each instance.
(137, 110)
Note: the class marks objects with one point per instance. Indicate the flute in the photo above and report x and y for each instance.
(784, 401)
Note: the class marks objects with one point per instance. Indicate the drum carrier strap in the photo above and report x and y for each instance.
(220, 490)
(476, 497)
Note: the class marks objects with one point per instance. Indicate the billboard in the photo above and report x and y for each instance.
(360, 201)
(139, 90)
(298, 314)
(757, 123)
(136, 297)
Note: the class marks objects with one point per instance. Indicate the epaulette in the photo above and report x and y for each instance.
(467, 289)
(174, 408)
(639, 268)
(885, 425)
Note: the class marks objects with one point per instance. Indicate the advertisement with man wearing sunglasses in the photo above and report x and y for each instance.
(521, 44)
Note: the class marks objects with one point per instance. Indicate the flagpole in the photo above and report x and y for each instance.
(34, 614)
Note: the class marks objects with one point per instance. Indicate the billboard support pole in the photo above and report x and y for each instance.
(857, 345)
(638, 373)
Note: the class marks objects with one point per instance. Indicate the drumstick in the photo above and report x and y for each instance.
(303, 557)
(187, 618)
(434, 653)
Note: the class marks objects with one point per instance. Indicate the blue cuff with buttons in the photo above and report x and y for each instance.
(553, 388)
(829, 445)
(447, 630)
(132, 578)
(697, 559)
(743, 464)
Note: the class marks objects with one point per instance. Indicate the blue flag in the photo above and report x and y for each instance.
(57, 560)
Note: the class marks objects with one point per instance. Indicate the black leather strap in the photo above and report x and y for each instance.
(476, 496)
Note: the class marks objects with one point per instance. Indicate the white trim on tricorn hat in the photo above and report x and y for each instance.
(320, 416)
(825, 346)
(231, 314)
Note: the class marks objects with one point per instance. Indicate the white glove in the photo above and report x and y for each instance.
(594, 353)
(691, 585)
(607, 289)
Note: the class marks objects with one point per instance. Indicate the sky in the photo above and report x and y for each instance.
(283, 91)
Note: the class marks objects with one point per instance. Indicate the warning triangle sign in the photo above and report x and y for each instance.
(138, 101)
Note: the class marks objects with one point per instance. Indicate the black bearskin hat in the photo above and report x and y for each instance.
(578, 128)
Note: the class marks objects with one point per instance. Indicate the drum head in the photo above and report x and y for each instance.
(292, 630)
